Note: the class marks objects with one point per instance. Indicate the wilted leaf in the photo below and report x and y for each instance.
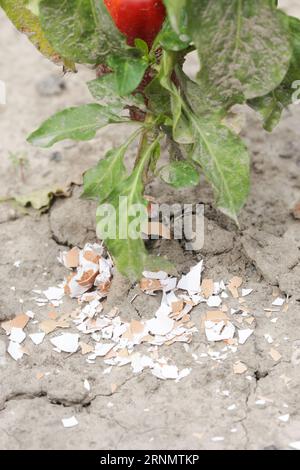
(27, 22)
(42, 198)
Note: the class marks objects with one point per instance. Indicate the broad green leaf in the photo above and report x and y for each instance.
(159, 101)
(82, 30)
(100, 181)
(171, 41)
(129, 73)
(181, 127)
(105, 89)
(27, 22)
(127, 246)
(180, 174)
(142, 46)
(203, 99)
(182, 131)
(220, 153)
(243, 45)
(79, 123)
(224, 160)
(176, 11)
(272, 105)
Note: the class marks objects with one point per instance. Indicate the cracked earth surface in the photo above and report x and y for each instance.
(145, 412)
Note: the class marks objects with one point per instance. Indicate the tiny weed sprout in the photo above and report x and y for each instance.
(249, 54)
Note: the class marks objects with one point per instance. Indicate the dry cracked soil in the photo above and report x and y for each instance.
(144, 412)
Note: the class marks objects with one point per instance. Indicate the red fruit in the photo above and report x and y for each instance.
(141, 19)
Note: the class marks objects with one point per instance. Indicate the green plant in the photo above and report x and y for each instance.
(19, 161)
(249, 53)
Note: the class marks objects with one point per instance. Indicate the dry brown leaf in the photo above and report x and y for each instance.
(233, 286)
(249, 320)
(207, 288)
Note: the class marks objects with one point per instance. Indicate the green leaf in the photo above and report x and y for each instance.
(82, 30)
(176, 11)
(142, 46)
(105, 89)
(27, 22)
(126, 245)
(224, 160)
(180, 174)
(158, 97)
(203, 99)
(182, 131)
(220, 153)
(243, 45)
(181, 127)
(271, 105)
(100, 181)
(79, 123)
(171, 41)
(129, 73)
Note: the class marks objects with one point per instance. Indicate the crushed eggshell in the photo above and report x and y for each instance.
(69, 422)
(233, 286)
(37, 338)
(275, 355)
(17, 335)
(239, 368)
(244, 335)
(66, 342)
